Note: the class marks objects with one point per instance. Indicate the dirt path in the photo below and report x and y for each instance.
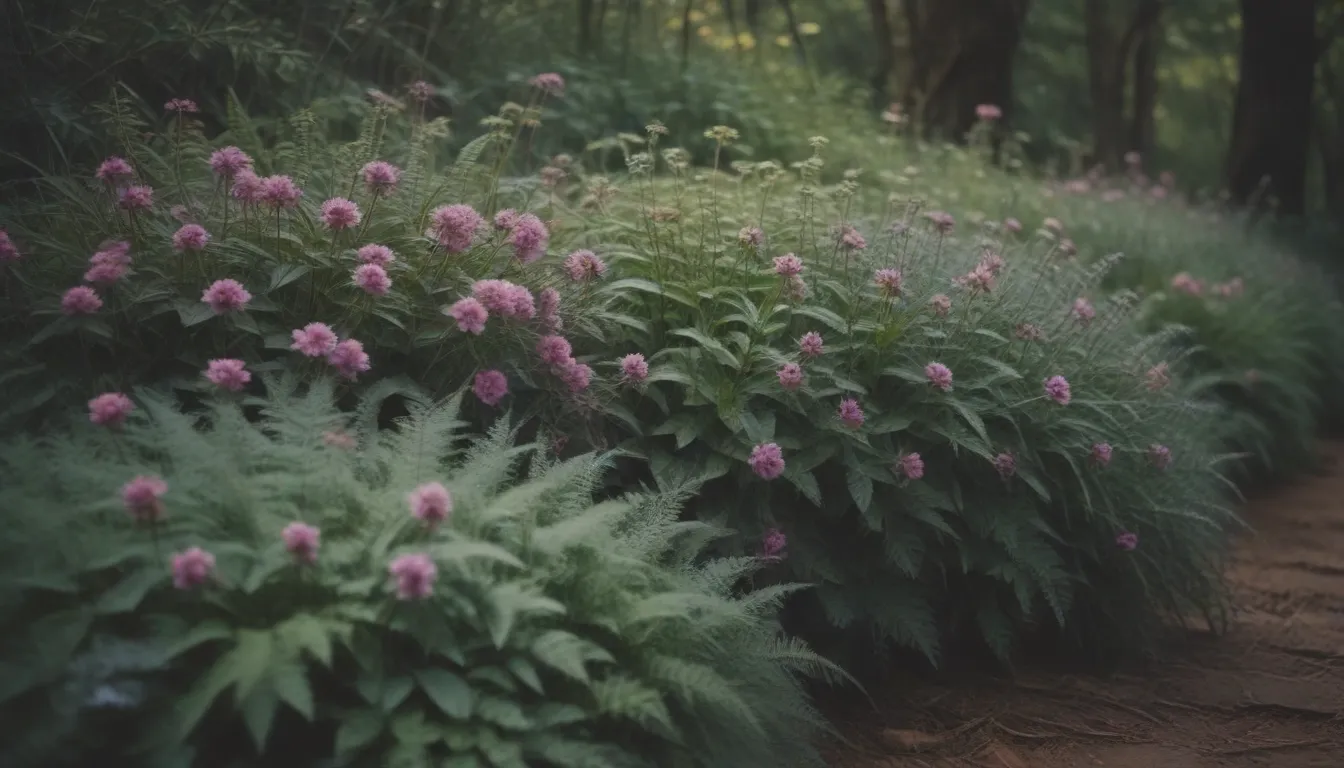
(1269, 693)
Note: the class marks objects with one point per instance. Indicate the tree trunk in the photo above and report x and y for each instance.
(1271, 123)
(585, 26)
(962, 56)
(685, 35)
(1143, 123)
(797, 36)
(886, 51)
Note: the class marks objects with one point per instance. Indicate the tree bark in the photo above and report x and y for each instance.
(797, 36)
(1272, 119)
(886, 51)
(585, 26)
(685, 35)
(961, 56)
(1109, 48)
(1143, 122)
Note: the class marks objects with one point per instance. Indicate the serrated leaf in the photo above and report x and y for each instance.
(252, 658)
(284, 274)
(712, 346)
(448, 691)
(860, 487)
(290, 681)
(826, 316)
(395, 691)
(568, 654)
(193, 312)
(130, 591)
(258, 711)
(358, 730)
(205, 632)
(970, 417)
(524, 671)
(806, 483)
(305, 632)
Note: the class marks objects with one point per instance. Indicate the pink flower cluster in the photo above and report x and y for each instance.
(414, 575)
(228, 374)
(229, 162)
(850, 413)
(751, 237)
(455, 226)
(314, 339)
(430, 503)
(790, 376)
(788, 265)
(1159, 455)
(810, 344)
(941, 305)
(317, 340)
(1057, 389)
(109, 264)
(349, 359)
(490, 387)
(584, 266)
(226, 296)
(339, 214)
(381, 178)
(142, 497)
(1005, 464)
(9, 253)
(1228, 290)
(1127, 541)
(504, 298)
(372, 279)
(114, 170)
(548, 310)
(851, 239)
(888, 282)
(549, 82)
(375, 254)
(988, 112)
(181, 106)
(1028, 332)
(190, 237)
(1083, 311)
(912, 466)
(528, 236)
(1101, 454)
(110, 409)
(634, 368)
(277, 191)
(301, 542)
(470, 314)
(1184, 283)
(942, 221)
(247, 186)
(773, 544)
(1012, 225)
(767, 461)
(192, 568)
(1157, 378)
(978, 280)
(80, 300)
(939, 375)
(137, 198)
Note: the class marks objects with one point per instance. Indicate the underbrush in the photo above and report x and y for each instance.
(274, 579)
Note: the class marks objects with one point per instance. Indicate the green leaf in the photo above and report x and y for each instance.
(193, 312)
(759, 429)
(252, 659)
(130, 591)
(284, 274)
(305, 632)
(358, 730)
(971, 417)
(889, 422)
(526, 672)
(712, 346)
(395, 691)
(191, 708)
(290, 681)
(806, 483)
(568, 654)
(204, 632)
(631, 284)
(836, 322)
(860, 487)
(259, 714)
(448, 691)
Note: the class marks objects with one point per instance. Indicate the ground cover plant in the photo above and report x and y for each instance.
(271, 579)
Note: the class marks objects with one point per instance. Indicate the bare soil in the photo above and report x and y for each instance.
(1270, 692)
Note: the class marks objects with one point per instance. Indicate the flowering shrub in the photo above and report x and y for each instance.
(308, 587)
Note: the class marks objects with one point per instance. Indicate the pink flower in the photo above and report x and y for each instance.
(1167, 179)
(470, 315)
(349, 358)
(1158, 192)
(376, 254)
(1184, 283)
(1005, 464)
(1053, 224)
(912, 466)
(229, 162)
(109, 264)
(788, 265)
(496, 295)
(634, 368)
(790, 376)
(584, 266)
(548, 308)
(1057, 389)
(888, 282)
(338, 439)
(490, 387)
(248, 187)
(192, 568)
(80, 300)
(1231, 289)
(810, 344)
(554, 350)
(1083, 311)
(978, 280)
(226, 296)
(455, 226)
(851, 239)
(549, 82)
(794, 288)
(850, 413)
(1133, 159)
(301, 541)
(1127, 541)
(575, 375)
(942, 221)
(282, 192)
(505, 219)
(142, 498)
(421, 91)
(1012, 225)
(988, 112)
(767, 461)
(1159, 455)
(372, 279)
(191, 237)
(113, 170)
(228, 374)
(313, 339)
(1067, 247)
(939, 375)
(139, 198)
(1077, 186)
(1112, 195)
(381, 178)
(528, 237)
(941, 304)
(9, 253)
(1101, 454)
(750, 237)
(415, 576)
(773, 544)
(340, 214)
(430, 503)
(110, 409)
(1028, 332)
(521, 303)
(181, 106)
(1157, 378)
(992, 261)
